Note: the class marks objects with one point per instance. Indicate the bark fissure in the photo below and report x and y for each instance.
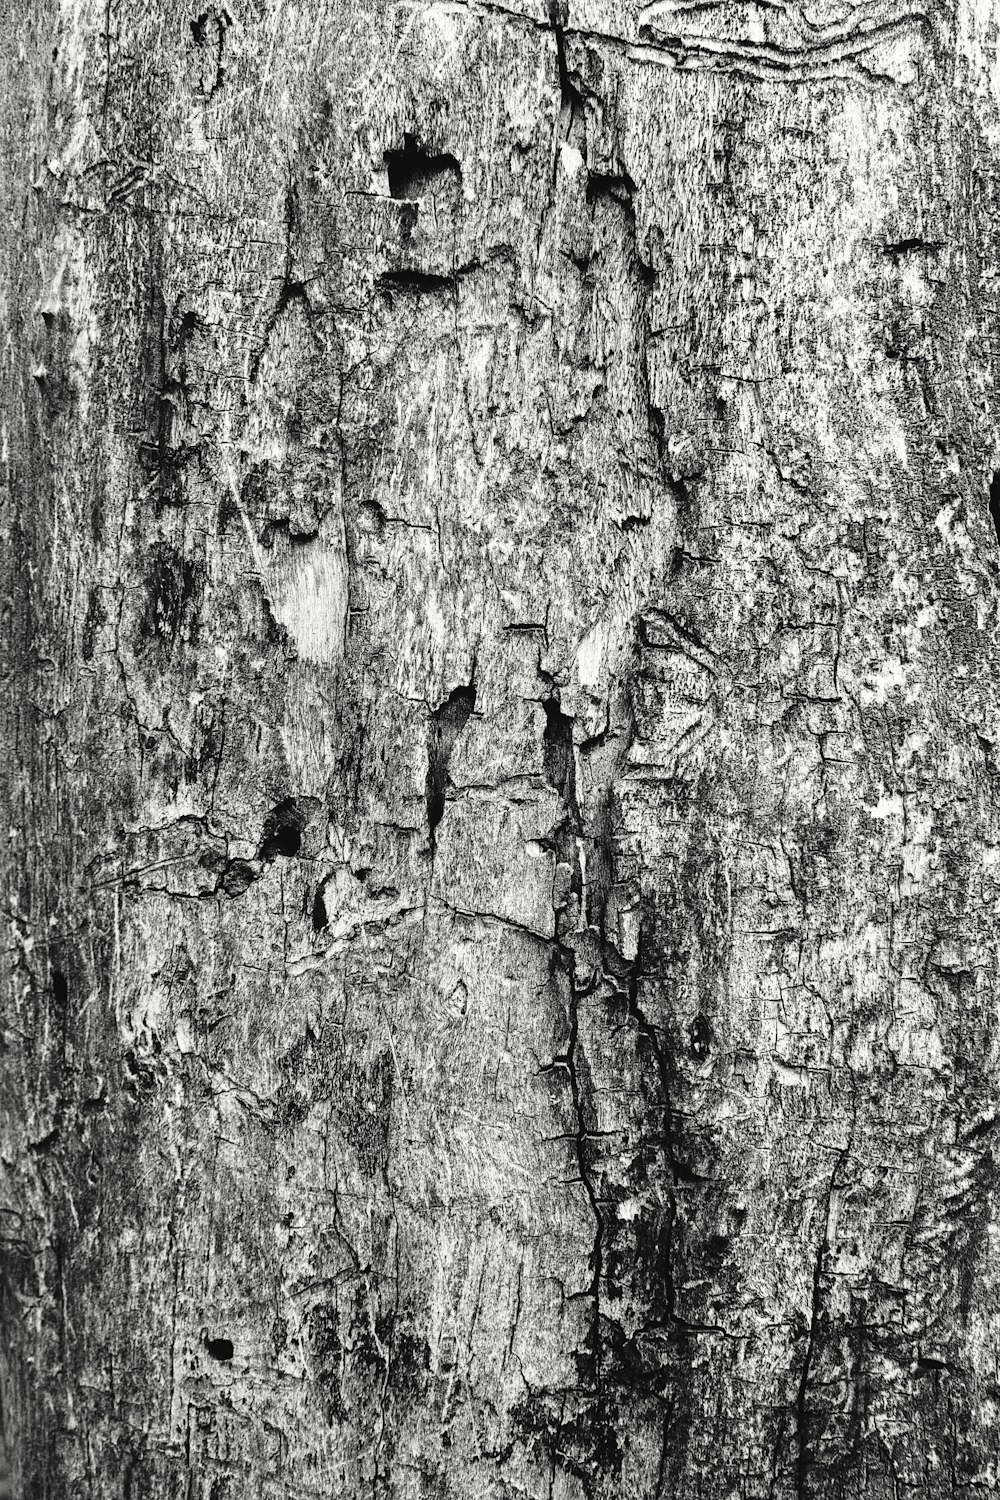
(499, 516)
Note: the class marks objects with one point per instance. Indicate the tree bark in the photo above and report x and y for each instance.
(500, 750)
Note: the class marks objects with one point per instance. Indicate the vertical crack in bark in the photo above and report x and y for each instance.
(559, 762)
(576, 994)
(665, 1142)
(284, 309)
(803, 1455)
(573, 110)
(801, 1399)
(995, 503)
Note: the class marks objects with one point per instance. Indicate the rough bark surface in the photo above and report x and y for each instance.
(500, 750)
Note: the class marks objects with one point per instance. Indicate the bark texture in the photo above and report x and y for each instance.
(500, 750)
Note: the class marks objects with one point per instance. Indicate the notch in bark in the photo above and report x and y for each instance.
(557, 757)
(237, 877)
(447, 723)
(221, 1349)
(172, 589)
(700, 1033)
(208, 34)
(995, 503)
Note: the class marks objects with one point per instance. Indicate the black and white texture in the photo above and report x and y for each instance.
(501, 787)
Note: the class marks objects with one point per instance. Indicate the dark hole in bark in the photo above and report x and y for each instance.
(605, 185)
(413, 170)
(319, 916)
(220, 1348)
(60, 989)
(282, 831)
(995, 503)
(447, 723)
(408, 280)
(286, 840)
(186, 327)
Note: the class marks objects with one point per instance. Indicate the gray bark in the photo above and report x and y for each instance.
(500, 750)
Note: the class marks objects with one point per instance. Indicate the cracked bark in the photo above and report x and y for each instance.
(500, 579)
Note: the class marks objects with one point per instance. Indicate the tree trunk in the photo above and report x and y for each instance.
(500, 750)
